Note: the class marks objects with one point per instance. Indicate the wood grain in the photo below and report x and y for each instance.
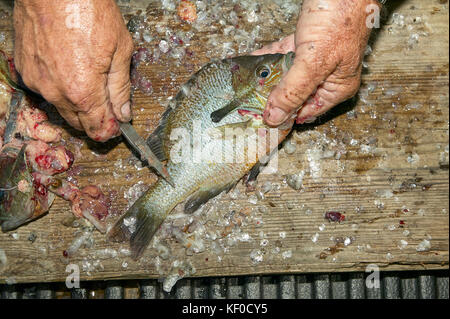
(381, 193)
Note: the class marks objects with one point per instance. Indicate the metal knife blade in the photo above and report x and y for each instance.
(139, 144)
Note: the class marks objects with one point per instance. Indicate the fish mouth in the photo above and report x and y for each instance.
(255, 113)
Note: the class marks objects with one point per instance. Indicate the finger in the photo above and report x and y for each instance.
(97, 117)
(50, 93)
(119, 85)
(99, 123)
(328, 95)
(307, 72)
(70, 116)
(64, 107)
(283, 46)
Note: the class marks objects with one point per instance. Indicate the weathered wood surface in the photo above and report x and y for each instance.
(382, 193)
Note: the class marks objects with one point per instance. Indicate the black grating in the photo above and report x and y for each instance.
(393, 285)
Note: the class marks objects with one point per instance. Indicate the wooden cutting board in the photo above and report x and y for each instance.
(391, 182)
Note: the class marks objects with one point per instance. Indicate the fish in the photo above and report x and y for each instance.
(223, 96)
(30, 165)
(21, 200)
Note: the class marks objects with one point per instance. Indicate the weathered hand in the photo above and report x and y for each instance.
(329, 45)
(76, 54)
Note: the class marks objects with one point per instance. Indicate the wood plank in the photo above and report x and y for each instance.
(390, 179)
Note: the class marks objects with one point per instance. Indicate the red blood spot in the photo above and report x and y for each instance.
(35, 125)
(176, 40)
(189, 52)
(243, 112)
(247, 112)
(406, 210)
(40, 189)
(44, 161)
(69, 157)
(301, 120)
(206, 259)
(65, 253)
(392, 131)
(235, 67)
(12, 66)
(402, 222)
(334, 217)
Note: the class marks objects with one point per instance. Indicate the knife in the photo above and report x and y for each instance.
(138, 143)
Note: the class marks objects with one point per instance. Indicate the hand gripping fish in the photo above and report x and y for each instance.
(215, 122)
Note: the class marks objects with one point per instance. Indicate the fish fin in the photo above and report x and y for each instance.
(5, 70)
(146, 227)
(203, 195)
(155, 140)
(138, 226)
(11, 223)
(253, 174)
(155, 143)
(11, 123)
(219, 114)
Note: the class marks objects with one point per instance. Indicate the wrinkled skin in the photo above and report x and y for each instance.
(329, 43)
(76, 54)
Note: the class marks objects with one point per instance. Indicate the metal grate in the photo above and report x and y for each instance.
(393, 285)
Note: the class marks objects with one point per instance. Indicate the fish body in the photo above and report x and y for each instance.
(210, 123)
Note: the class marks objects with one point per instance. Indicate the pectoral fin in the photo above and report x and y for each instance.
(219, 114)
(253, 174)
(203, 195)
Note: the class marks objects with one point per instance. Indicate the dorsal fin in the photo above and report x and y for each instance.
(253, 174)
(156, 140)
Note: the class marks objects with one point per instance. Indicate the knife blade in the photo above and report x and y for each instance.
(139, 144)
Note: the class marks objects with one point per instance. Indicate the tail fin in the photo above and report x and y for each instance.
(137, 226)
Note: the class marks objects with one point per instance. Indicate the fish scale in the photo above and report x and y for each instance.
(227, 85)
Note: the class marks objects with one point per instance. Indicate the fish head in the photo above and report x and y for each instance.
(22, 199)
(254, 77)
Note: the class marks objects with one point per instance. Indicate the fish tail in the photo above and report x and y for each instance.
(138, 226)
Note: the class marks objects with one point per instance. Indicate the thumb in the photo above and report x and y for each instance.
(308, 71)
(119, 87)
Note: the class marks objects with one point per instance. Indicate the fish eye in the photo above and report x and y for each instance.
(263, 72)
